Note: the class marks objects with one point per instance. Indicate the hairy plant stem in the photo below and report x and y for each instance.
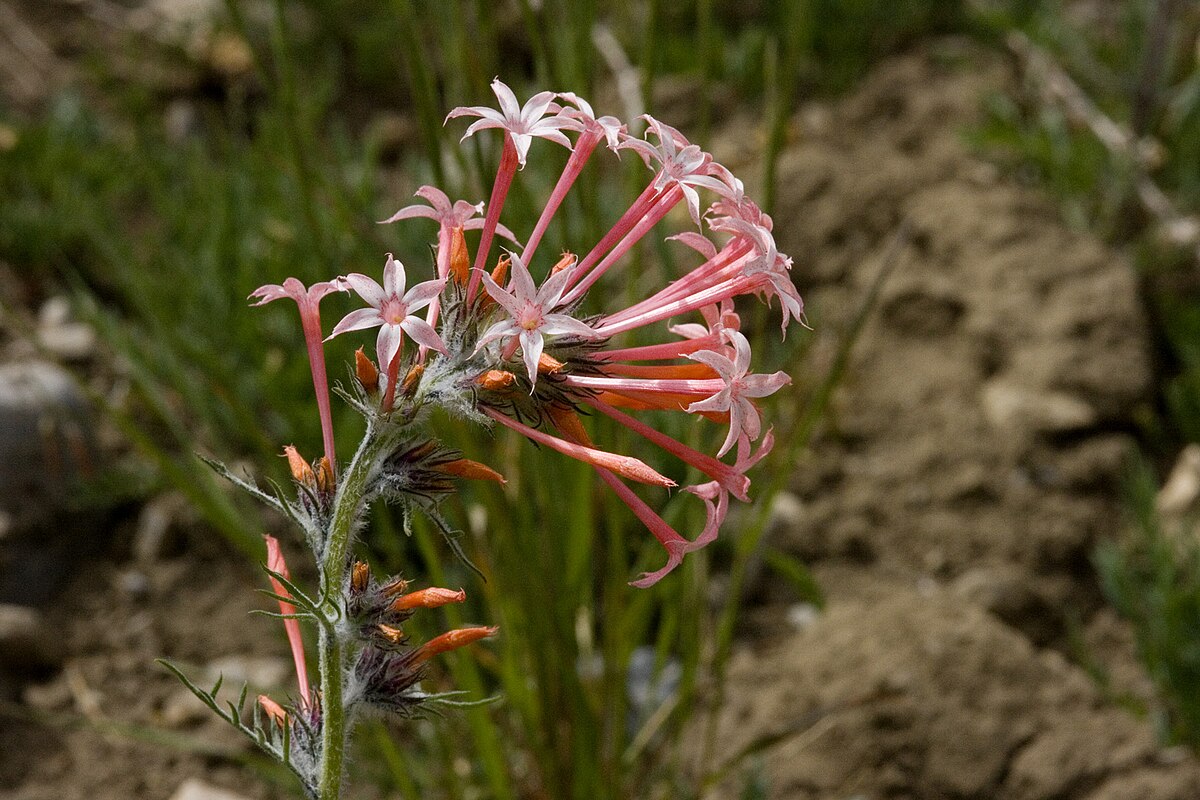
(346, 510)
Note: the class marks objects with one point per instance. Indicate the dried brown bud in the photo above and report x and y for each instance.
(432, 597)
(496, 379)
(302, 471)
(324, 471)
(460, 259)
(394, 587)
(360, 576)
(366, 372)
(473, 470)
(391, 633)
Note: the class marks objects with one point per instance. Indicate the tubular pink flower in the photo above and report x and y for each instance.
(592, 130)
(739, 387)
(731, 479)
(625, 466)
(521, 123)
(676, 545)
(393, 309)
(530, 311)
(275, 563)
(680, 163)
(449, 216)
(309, 301)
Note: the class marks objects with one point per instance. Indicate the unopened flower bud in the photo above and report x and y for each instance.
(360, 576)
(500, 271)
(273, 710)
(566, 262)
(366, 372)
(496, 379)
(472, 470)
(568, 423)
(412, 378)
(433, 597)
(451, 640)
(549, 365)
(324, 475)
(302, 471)
(460, 259)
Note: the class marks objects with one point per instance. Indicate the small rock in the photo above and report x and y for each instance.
(193, 789)
(53, 695)
(1182, 488)
(802, 615)
(259, 672)
(45, 438)
(153, 539)
(1008, 407)
(62, 335)
(135, 584)
(26, 644)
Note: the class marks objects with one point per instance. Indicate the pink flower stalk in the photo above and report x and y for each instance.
(309, 301)
(275, 563)
(682, 168)
(625, 466)
(592, 130)
(393, 309)
(531, 314)
(538, 117)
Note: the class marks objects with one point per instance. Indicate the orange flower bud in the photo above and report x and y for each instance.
(360, 576)
(302, 471)
(460, 259)
(324, 474)
(366, 371)
(410, 380)
(472, 470)
(391, 633)
(432, 597)
(273, 710)
(451, 640)
(500, 272)
(566, 262)
(569, 424)
(549, 365)
(496, 379)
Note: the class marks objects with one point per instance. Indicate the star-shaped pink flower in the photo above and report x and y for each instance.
(521, 122)
(680, 162)
(744, 419)
(530, 310)
(459, 214)
(394, 309)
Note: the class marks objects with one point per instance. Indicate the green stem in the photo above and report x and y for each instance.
(347, 509)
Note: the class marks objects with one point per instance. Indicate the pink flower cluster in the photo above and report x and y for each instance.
(528, 349)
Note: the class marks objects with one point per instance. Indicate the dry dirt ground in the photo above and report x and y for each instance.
(948, 509)
(970, 468)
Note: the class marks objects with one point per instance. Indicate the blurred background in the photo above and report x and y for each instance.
(970, 569)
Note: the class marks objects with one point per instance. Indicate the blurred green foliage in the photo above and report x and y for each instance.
(160, 236)
(1153, 578)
